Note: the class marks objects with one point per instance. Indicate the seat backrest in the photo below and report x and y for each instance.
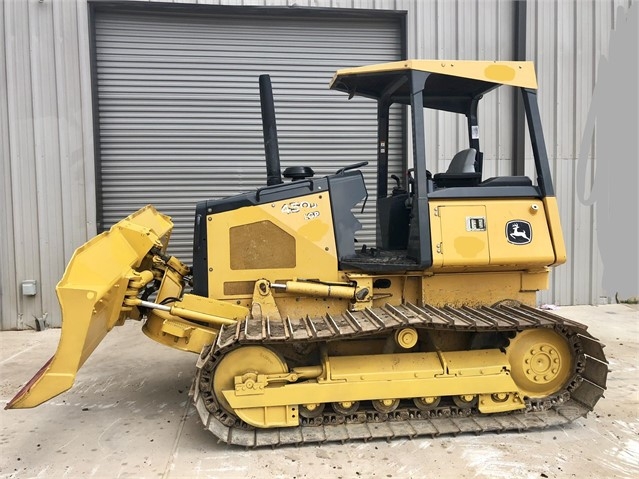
(463, 162)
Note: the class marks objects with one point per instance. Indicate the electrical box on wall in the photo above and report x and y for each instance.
(29, 287)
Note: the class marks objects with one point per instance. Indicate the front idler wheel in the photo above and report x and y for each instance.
(240, 362)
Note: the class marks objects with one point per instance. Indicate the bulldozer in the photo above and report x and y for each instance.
(305, 335)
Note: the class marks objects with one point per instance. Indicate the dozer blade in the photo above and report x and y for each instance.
(91, 295)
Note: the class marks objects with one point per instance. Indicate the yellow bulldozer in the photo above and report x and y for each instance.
(305, 335)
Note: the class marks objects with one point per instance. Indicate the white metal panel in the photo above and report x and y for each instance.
(70, 132)
(566, 40)
(8, 286)
(22, 158)
(47, 123)
(179, 106)
(47, 153)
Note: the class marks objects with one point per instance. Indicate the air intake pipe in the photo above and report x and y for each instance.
(271, 149)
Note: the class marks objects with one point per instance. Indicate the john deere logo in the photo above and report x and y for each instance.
(518, 232)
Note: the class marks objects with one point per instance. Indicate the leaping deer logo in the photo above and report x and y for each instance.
(518, 232)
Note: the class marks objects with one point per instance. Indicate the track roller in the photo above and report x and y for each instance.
(346, 408)
(427, 403)
(385, 405)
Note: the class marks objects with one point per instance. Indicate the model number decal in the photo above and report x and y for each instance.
(296, 207)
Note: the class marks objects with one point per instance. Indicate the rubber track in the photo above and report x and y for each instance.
(584, 390)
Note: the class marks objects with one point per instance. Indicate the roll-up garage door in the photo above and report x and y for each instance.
(179, 113)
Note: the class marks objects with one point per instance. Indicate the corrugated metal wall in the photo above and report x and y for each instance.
(47, 207)
(48, 204)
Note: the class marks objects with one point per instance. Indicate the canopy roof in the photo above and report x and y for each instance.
(450, 85)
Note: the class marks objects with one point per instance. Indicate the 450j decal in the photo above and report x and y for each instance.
(297, 206)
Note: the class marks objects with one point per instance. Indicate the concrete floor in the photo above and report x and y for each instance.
(129, 416)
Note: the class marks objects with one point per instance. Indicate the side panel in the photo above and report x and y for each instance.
(464, 235)
(481, 289)
(287, 239)
(500, 233)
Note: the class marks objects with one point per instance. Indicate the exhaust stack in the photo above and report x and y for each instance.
(271, 148)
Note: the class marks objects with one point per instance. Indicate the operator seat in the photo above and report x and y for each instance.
(460, 172)
(463, 162)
